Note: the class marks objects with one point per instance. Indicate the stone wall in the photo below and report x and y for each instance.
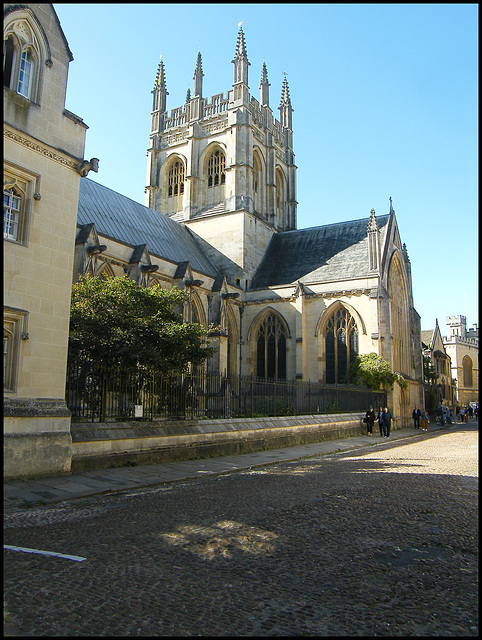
(104, 445)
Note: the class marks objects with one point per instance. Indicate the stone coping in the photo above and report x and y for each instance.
(83, 432)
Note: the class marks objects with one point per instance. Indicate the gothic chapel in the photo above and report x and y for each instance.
(220, 221)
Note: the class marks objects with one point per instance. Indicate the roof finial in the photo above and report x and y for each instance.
(240, 60)
(240, 45)
(161, 77)
(198, 76)
(372, 222)
(264, 87)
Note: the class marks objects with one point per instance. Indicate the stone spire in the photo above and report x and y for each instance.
(240, 60)
(373, 233)
(264, 87)
(285, 107)
(198, 77)
(160, 92)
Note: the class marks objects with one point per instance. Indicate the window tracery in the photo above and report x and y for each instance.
(214, 179)
(175, 187)
(216, 169)
(341, 345)
(271, 348)
(400, 340)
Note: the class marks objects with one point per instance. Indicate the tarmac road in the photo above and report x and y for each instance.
(376, 541)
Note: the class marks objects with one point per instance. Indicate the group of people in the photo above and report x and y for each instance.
(444, 415)
(418, 416)
(465, 413)
(459, 414)
(384, 419)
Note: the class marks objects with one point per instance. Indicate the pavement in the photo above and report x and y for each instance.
(25, 493)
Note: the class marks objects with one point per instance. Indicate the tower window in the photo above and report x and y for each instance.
(176, 179)
(216, 169)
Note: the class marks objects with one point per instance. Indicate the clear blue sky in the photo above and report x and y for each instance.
(385, 100)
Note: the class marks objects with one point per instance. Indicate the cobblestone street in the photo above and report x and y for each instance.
(382, 541)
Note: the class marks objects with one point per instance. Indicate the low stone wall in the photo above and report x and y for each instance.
(36, 438)
(103, 445)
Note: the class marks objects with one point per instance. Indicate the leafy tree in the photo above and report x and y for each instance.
(429, 373)
(116, 322)
(374, 371)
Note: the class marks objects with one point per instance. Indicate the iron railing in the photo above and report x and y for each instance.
(100, 394)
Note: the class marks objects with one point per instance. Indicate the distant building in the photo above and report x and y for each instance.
(439, 391)
(463, 348)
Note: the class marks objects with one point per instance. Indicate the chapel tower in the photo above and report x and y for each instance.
(224, 166)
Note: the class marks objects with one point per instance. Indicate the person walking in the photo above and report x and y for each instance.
(462, 415)
(425, 420)
(380, 422)
(370, 420)
(447, 415)
(416, 415)
(387, 420)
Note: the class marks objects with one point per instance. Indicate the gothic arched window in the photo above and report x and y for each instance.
(257, 184)
(399, 323)
(176, 179)
(271, 349)
(216, 169)
(214, 183)
(21, 54)
(280, 199)
(467, 371)
(175, 187)
(341, 345)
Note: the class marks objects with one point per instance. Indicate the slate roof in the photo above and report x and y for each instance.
(427, 337)
(319, 254)
(119, 218)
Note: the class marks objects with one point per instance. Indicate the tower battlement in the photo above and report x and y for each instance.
(223, 155)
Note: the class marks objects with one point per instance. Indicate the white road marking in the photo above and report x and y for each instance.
(44, 553)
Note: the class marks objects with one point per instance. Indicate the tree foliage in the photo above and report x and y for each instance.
(373, 371)
(115, 322)
(429, 373)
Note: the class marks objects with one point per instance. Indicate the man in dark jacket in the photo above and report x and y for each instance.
(416, 415)
(387, 421)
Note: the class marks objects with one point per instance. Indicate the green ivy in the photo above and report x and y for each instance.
(373, 371)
